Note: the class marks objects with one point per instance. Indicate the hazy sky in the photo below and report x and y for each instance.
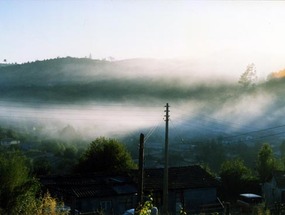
(223, 34)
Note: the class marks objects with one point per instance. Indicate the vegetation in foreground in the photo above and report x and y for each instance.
(20, 192)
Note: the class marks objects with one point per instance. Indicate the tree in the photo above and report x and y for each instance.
(233, 175)
(266, 162)
(47, 205)
(279, 74)
(14, 175)
(105, 155)
(42, 166)
(19, 192)
(209, 151)
(249, 77)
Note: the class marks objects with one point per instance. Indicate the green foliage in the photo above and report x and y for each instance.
(24, 200)
(52, 146)
(48, 205)
(266, 162)
(248, 153)
(70, 152)
(56, 156)
(14, 174)
(19, 192)
(42, 205)
(70, 80)
(105, 155)
(145, 208)
(42, 166)
(17, 189)
(233, 174)
(208, 151)
(8, 133)
(260, 209)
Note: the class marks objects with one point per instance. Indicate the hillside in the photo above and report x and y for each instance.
(118, 97)
(72, 79)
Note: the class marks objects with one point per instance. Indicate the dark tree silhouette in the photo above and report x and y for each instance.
(105, 155)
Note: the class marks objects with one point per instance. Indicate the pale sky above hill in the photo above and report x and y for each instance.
(223, 35)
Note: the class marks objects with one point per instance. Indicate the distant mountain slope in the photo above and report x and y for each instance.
(128, 91)
(73, 79)
(86, 79)
(50, 72)
(146, 81)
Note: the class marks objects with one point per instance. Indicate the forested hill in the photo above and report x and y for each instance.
(74, 79)
(53, 71)
(218, 106)
(83, 79)
(86, 79)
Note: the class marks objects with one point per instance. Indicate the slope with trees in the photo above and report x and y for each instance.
(72, 79)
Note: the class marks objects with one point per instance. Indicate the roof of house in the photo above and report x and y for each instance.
(279, 178)
(179, 178)
(99, 185)
(89, 185)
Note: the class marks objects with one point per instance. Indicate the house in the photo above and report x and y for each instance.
(190, 187)
(274, 189)
(89, 194)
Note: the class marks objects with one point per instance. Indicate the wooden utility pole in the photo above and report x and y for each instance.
(165, 176)
(141, 170)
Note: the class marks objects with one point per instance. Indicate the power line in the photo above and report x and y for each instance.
(104, 112)
(202, 117)
(152, 130)
(261, 130)
(198, 122)
(178, 135)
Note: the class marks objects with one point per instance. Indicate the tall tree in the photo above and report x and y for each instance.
(266, 162)
(249, 77)
(105, 155)
(233, 174)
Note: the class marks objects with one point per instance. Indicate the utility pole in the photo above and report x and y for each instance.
(141, 170)
(165, 176)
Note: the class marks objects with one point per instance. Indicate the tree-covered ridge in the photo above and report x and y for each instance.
(66, 81)
(49, 72)
(74, 79)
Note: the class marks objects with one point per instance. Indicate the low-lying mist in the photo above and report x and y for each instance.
(123, 98)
